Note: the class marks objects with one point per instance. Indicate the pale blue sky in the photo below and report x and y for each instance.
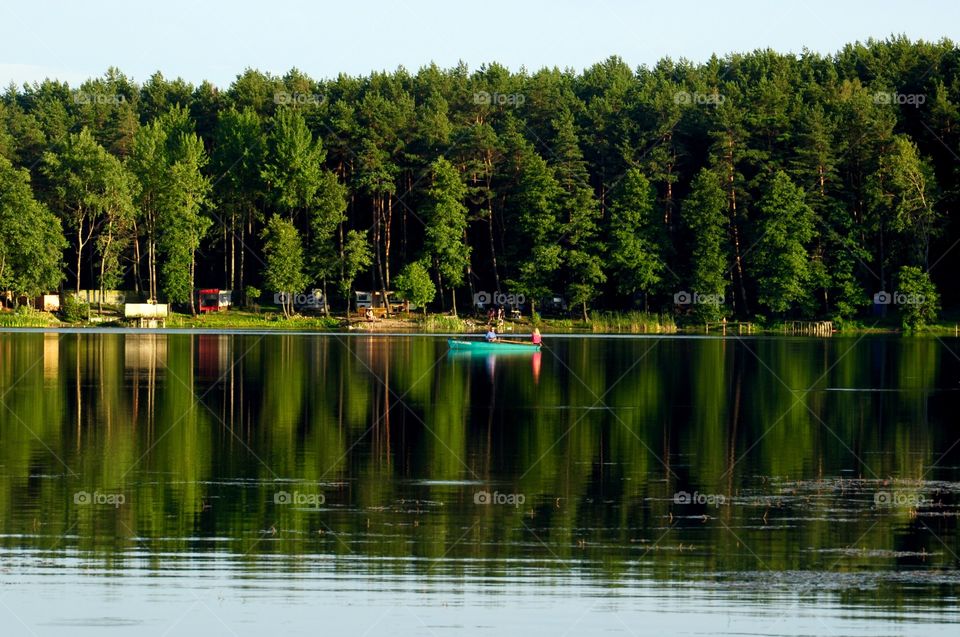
(216, 40)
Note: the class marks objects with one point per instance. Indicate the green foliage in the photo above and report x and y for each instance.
(293, 169)
(247, 319)
(327, 214)
(25, 316)
(169, 161)
(251, 296)
(579, 211)
(73, 309)
(535, 202)
(917, 298)
(357, 257)
(636, 235)
(442, 324)
(779, 259)
(446, 226)
(284, 272)
(94, 194)
(414, 284)
(31, 239)
(591, 187)
(904, 189)
(180, 226)
(703, 215)
(632, 323)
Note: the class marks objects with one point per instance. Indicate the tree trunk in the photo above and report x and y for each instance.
(378, 220)
(152, 266)
(80, 243)
(733, 221)
(443, 304)
(193, 268)
(137, 283)
(243, 254)
(493, 252)
(386, 240)
(233, 255)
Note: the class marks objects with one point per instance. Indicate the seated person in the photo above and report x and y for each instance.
(535, 337)
(491, 335)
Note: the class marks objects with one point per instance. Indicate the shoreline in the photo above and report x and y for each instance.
(602, 324)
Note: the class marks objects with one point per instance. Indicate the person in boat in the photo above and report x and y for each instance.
(491, 335)
(535, 338)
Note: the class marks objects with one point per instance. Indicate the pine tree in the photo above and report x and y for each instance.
(579, 212)
(446, 226)
(778, 259)
(636, 236)
(704, 216)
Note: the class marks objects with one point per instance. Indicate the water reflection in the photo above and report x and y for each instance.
(794, 464)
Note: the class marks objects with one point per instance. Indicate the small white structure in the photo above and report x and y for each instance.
(147, 314)
(48, 302)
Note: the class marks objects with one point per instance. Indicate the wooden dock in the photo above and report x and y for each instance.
(795, 328)
(742, 327)
(809, 328)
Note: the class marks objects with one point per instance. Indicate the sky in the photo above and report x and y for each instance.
(213, 40)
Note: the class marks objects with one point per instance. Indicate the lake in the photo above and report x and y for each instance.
(169, 483)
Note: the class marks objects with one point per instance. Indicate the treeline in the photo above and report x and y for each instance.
(756, 184)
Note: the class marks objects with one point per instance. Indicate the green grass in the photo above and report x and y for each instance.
(442, 323)
(27, 317)
(244, 319)
(631, 323)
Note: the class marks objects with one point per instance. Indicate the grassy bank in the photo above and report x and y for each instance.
(600, 323)
(243, 319)
(27, 317)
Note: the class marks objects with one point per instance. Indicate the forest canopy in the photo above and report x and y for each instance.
(769, 184)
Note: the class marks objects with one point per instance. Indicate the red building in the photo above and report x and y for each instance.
(214, 300)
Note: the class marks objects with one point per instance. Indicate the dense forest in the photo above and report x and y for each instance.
(760, 184)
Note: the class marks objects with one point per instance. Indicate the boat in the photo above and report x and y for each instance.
(499, 345)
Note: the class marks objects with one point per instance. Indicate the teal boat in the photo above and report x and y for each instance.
(487, 347)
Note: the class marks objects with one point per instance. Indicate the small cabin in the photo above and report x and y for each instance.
(374, 302)
(47, 302)
(214, 300)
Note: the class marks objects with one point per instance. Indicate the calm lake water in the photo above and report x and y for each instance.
(251, 484)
